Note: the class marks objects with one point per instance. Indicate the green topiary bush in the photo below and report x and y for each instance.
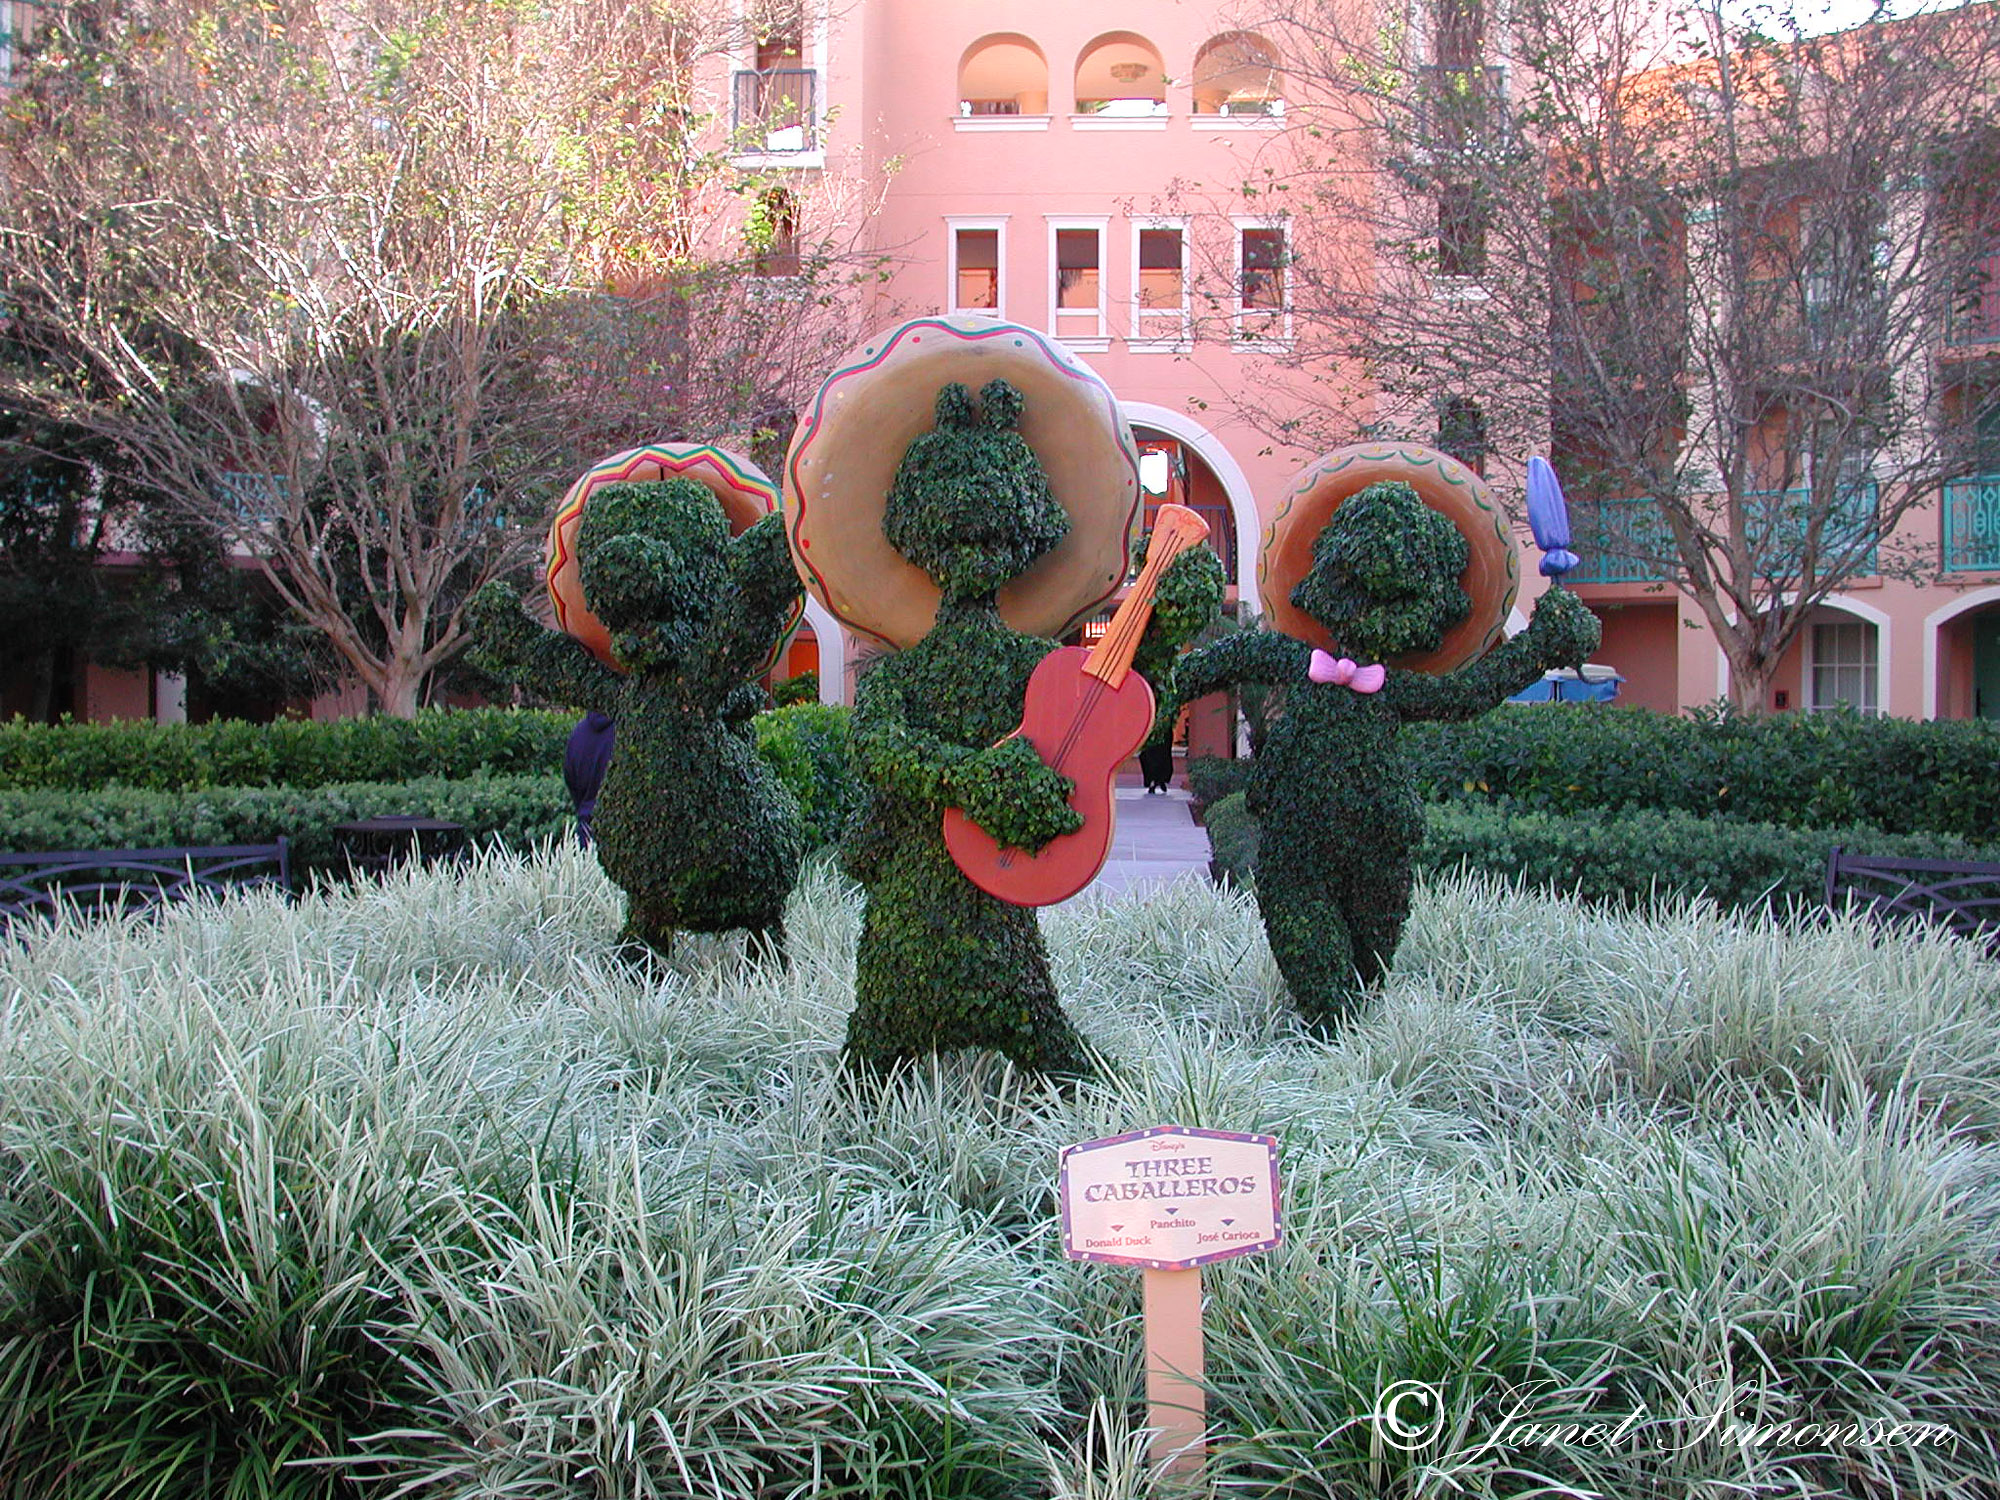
(448, 743)
(1798, 770)
(941, 964)
(1335, 799)
(691, 823)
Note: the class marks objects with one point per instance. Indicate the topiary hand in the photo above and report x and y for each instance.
(1565, 630)
(1014, 796)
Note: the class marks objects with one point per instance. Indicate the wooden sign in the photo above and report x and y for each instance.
(1169, 1200)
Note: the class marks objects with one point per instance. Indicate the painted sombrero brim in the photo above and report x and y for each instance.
(744, 490)
(1444, 484)
(879, 398)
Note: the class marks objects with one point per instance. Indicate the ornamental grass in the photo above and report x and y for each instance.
(417, 1189)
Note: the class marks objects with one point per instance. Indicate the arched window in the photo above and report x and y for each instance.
(1004, 74)
(1121, 74)
(1237, 74)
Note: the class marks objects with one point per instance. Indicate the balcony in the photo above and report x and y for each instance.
(776, 111)
(1972, 525)
(1854, 514)
(1615, 540)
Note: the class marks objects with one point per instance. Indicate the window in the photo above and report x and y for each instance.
(977, 270)
(1076, 291)
(1461, 33)
(1262, 276)
(1461, 230)
(1159, 282)
(774, 234)
(1237, 74)
(1843, 666)
(1003, 76)
(1462, 432)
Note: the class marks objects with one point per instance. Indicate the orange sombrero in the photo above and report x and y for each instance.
(745, 491)
(879, 398)
(1441, 482)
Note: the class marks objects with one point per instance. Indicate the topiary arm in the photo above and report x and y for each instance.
(514, 648)
(1187, 602)
(1005, 788)
(1260, 656)
(764, 591)
(1562, 633)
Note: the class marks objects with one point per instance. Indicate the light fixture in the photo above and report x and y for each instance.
(1128, 72)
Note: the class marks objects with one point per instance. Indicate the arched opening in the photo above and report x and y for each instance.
(1004, 74)
(1237, 74)
(1962, 658)
(1120, 74)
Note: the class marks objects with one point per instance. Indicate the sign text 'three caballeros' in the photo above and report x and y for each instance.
(1170, 1198)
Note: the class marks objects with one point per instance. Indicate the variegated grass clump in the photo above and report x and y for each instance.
(417, 1189)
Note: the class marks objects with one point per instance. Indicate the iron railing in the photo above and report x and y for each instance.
(777, 109)
(1972, 525)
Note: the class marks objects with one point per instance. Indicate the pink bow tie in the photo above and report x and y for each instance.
(1341, 672)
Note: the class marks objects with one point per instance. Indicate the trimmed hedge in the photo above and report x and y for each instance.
(1627, 857)
(1806, 771)
(516, 811)
(442, 744)
(806, 744)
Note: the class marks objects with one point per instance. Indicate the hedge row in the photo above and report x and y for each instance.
(449, 744)
(1626, 858)
(517, 811)
(807, 744)
(1802, 771)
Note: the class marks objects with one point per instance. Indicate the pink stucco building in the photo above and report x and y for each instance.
(1071, 169)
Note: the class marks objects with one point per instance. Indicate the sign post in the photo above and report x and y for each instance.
(1170, 1199)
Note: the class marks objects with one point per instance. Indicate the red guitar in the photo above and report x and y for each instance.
(1085, 711)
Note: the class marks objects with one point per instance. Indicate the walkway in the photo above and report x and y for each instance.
(1156, 840)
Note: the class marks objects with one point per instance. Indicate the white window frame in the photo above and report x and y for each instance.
(1086, 329)
(952, 225)
(1870, 666)
(1243, 330)
(1161, 329)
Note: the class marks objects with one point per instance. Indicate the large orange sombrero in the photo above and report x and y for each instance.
(1441, 482)
(745, 491)
(879, 398)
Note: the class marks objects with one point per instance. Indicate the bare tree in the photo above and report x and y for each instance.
(364, 283)
(1731, 279)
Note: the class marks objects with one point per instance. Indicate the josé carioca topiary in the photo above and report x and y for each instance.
(691, 822)
(942, 964)
(1338, 810)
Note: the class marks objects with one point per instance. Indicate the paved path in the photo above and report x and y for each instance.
(1156, 840)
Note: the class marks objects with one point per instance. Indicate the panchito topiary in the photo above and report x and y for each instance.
(691, 823)
(943, 965)
(1337, 805)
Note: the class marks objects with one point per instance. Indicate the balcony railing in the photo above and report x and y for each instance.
(777, 110)
(1625, 541)
(1972, 525)
(1615, 540)
(1853, 516)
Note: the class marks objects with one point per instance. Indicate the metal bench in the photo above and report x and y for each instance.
(118, 880)
(1962, 895)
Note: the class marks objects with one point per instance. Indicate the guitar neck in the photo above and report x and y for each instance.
(1174, 531)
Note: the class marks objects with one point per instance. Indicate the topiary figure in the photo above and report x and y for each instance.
(691, 823)
(1338, 809)
(942, 964)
